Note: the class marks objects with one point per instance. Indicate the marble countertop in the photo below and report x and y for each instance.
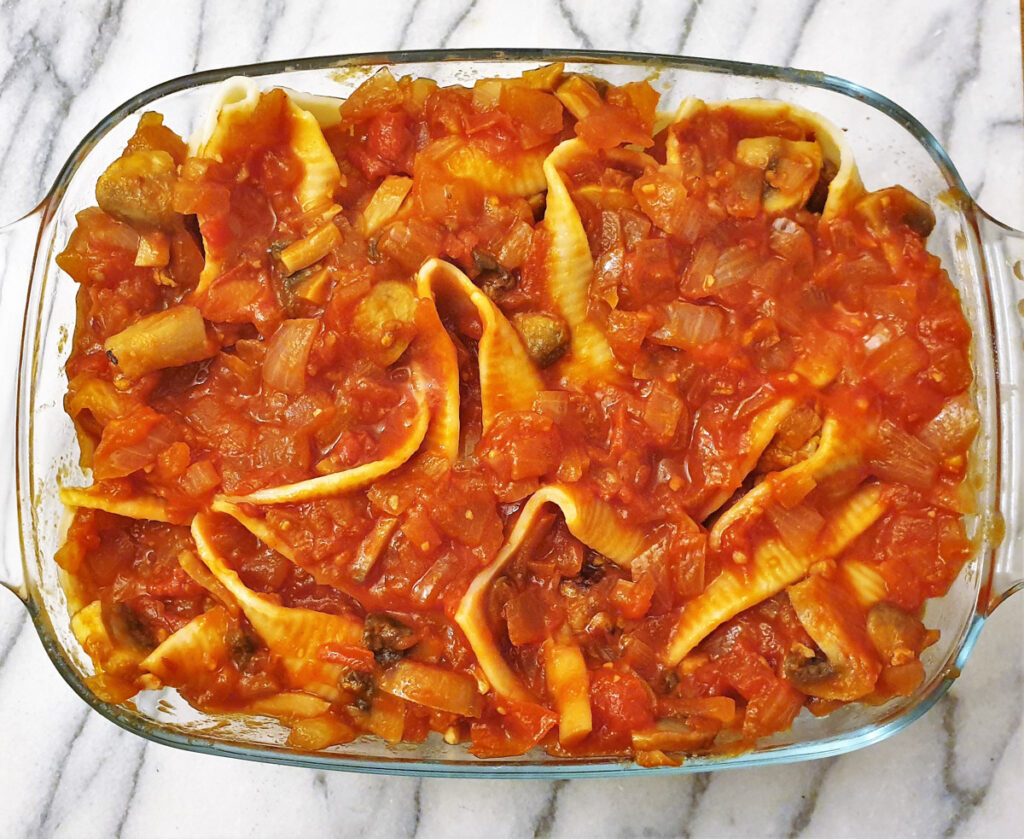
(955, 64)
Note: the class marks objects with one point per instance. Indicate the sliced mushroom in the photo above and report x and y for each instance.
(847, 667)
(138, 189)
(893, 207)
(385, 321)
(898, 636)
(792, 169)
(388, 638)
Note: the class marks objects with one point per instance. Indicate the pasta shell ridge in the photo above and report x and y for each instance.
(509, 381)
(772, 568)
(294, 634)
(570, 269)
(591, 520)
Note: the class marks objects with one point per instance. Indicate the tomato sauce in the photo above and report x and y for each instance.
(719, 303)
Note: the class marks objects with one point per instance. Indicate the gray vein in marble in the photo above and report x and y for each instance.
(687, 26)
(634, 19)
(272, 12)
(68, 745)
(965, 799)
(971, 69)
(546, 819)
(446, 37)
(8, 644)
(802, 818)
(742, 32)
(417, 807)
(798, 35)
(197, 47)
(136, 774)
(698, 787)
(25, 58)
(573, 24)
(404, 33)
(315, 15)
(34, 49)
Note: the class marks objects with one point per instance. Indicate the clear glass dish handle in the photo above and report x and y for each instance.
(1003, 250)
(17, 250)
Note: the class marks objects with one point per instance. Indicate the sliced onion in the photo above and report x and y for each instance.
(688, 325)
(894, 363)
(953, 428)
(433, 686)
(555, 404)
(288, 353)
(114, 459)
(698, 278)
(902, 458)
(662, 412)
(797, 526)
(790, 241)
(734, 265)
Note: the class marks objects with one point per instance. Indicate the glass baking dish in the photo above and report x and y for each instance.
(37, 311)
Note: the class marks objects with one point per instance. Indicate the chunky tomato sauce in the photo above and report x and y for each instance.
(763, 383)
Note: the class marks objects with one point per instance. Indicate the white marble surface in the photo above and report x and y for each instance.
(64, 770)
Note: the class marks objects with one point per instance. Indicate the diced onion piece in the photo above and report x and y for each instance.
(315, 287)
(200, 478)
(131, 443)
(891, 365)
(569, 686)
(432, 686)
(170, 338)
(154, 250)
(902, 458)
(662, 412)
(288, 706)
(688, 325)
(97, 396)
(515, 246)
(898, 636)
(721, 708)
(952, 430)
(320, 732)
(579, 97)
(676, 735)
(666, 202)
(376, 95)
(734, 265)
(288, 353)
(788, 239)
(798, 526)
(385, 203)
(544, 78)
(312, 248)
(555, 404)
(486, 93)
(371, 548)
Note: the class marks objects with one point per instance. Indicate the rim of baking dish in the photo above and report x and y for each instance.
(132, 720)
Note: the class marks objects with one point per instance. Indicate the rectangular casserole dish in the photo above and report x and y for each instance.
(37, 307)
